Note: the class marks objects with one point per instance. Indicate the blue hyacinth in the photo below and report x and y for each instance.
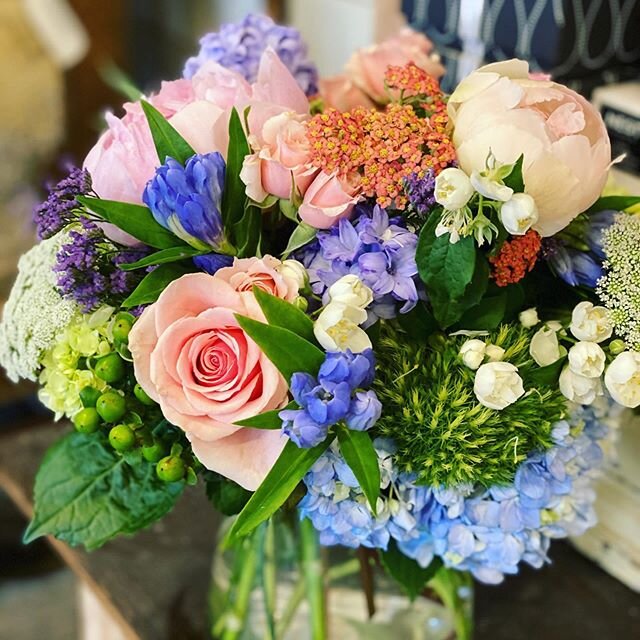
(187, 200)
(488, 532)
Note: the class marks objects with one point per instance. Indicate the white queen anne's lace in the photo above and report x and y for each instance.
(35, 312)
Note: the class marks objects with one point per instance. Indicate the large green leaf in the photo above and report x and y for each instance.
(234, 197)
(515, 179)
(172, 254)
(225, 495)
(135, 219)
(280, 313)
(485, 315)
(406, 571)
(288, 352)
(360, 454)
(282, 479)
(615, 203)
(247, 232)
(548, 375)
(302, 234)
(266, 420)
(85, 493)
(154, 283)
(168, 142)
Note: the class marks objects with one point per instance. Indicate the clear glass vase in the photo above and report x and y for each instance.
(279, 584)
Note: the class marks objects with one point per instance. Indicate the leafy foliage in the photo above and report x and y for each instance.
(225, 495)
(165, 256)
(281, 313)
(234, 190)
(154, 283)
(168, 142)
(406, 571)
(515, 179)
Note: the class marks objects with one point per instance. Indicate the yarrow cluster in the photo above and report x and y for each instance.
(488, 532)
(339, 392)
(239, 46)
(377, 249)
(516, 258)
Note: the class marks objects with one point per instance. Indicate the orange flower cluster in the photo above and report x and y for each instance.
(516, 258)
(382, 147)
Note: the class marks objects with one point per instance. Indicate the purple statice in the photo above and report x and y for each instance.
(420, 190)
(239, 47)
(488, 532)
(60, 209)
(336, 393)
(88, 268)
(379, 250)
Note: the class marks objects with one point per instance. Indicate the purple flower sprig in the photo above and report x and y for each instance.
(339, 392)
(421, 191)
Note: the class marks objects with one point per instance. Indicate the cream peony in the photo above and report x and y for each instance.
(544, 347)
(579, 388)
(591, 323)
(498, 384)
(472, 353)
(529, 318)
(622, 379)
(587, 359)
(338, 328)
(350, 290)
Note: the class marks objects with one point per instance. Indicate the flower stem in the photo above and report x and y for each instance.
(455, 589)
(312, 569)
(269, 578)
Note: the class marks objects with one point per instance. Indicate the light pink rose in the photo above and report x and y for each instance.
(500, 109)
(328, 199)
(341, 93)
(367, 67)
(245, 273)
(192, 357)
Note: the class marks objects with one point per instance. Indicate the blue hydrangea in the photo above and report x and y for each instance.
(488, 532)
(379, 250)
(239, 46)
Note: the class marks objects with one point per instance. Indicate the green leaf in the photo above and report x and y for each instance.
(360, 454)
(280, 313)
(302, 234)
(547, 376)
(172, 254)
(282, 479)
(248, 231)
(226, 496)
(85, 493)
(234, 195)
(154, 283)
(486, 315)
(266, 420)
(288, 352)
(515, 179)
(168, 142)
(406, 571)
(135, 219)
(615, 203)
(418, 323)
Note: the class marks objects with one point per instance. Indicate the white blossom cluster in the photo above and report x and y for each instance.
(619, 288)
(35, 312)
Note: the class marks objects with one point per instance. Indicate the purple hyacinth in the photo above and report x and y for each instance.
(239, 46)
(421, 191)
(379, 250)
(61, 207)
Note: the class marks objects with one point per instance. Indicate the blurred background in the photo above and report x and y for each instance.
(59, 63)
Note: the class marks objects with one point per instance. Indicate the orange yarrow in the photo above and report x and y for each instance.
(516, 258)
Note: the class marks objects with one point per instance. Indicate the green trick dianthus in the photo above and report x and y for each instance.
(442, 432)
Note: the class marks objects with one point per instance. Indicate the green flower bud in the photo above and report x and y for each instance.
(171, 469)
(616, 347)
(89, 396)
(122, 326)
(122, 438)
(86, 420)
(110, 368)
(111, 406)
(141, 394)
(154, 452)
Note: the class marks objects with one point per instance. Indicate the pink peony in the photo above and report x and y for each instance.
(500, 109)
(328, 199)
(192, 357)
(339, 92)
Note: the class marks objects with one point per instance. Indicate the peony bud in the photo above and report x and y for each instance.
(472, 353)
(498, 384)
(519, 214)
(591, 323)
(453, 189)
(587, 359)
(494, 353)
(622, 379)
(294, 270)
(350, 290)
(544, 347)
(529, 318)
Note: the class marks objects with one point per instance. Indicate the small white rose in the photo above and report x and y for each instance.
(578, 388)
(350, 290)
(622, 379)
(519, 214)
(591, 323)
(544, 347)
(453, 189)
(294, 270)
(337, 328)
(494, 353)
(490, 188)
(587, 359)
(472, 353)
(498, 384)
(529, 318)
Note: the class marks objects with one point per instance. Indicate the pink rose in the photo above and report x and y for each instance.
(245, 273)
(328, 199)
(367, 67)
(500, 109)
(340, 92)
(192, 357)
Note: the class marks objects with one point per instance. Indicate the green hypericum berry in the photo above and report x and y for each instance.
(171, 469)
(122, 326)
(122, 437)
(87, 420)
(616, 346)
(154, 452)
(110, 368)
(111, 406)
(89, 396)
(141, 394)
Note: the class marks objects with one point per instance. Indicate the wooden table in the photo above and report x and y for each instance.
(155, 583)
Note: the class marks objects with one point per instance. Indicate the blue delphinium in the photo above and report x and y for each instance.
(212, 262)
(239, 46)
(379, 250)
(488, 532)
(187, 200)
(336, 394)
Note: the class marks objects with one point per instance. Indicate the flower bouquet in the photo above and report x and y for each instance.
(397, 320)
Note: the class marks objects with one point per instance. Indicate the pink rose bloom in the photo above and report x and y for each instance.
(340, 92)
(328, 199)
(367, 66)
(245, 273)
(191, 356)
(500, 109)
(281, 158)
